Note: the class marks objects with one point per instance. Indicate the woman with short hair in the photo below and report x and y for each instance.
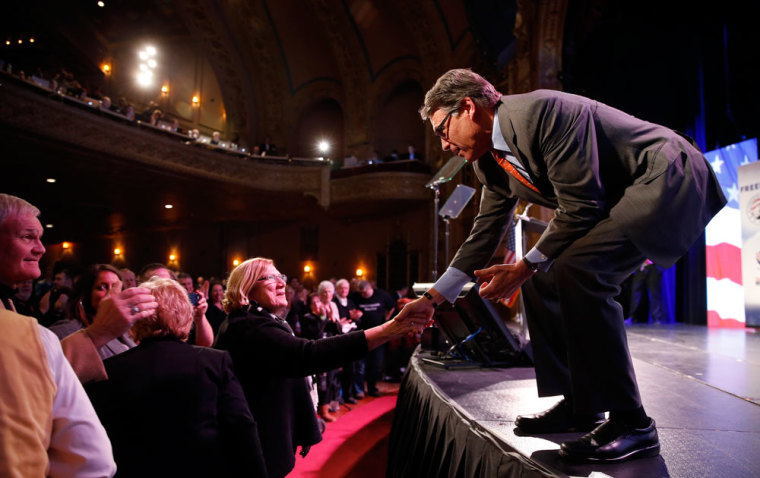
(273, 364)
(171, 408)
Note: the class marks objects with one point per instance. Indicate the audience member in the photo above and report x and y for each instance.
(62, 277)
(328, 386)
(272, 364)
(411, 153)
(128, 278)
(59, 309)
(155, 269)
(23, 298)
(186, 281)
(47, 425)
(348, 315)
(373, 159)
(394, 156)
(215, 313)
(202, 333)
(267, 148)
(350, 161)
(376, 306)
(173, 409)
(97, 283)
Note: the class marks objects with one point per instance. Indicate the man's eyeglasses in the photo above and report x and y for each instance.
(274, 277)
(439, 129)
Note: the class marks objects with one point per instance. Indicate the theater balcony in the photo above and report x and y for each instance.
(102, 152)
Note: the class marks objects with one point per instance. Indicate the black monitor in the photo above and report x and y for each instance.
(475, 332)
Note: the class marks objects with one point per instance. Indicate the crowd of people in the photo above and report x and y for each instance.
(157, 373)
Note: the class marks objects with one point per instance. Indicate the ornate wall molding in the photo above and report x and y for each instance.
(380, 186)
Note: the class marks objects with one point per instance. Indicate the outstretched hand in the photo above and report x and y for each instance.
(502, 280)
(419, 313)
(414, 317)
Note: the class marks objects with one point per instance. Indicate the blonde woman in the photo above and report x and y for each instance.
(272, 363)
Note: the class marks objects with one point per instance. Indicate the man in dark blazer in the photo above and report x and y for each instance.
(622, 190)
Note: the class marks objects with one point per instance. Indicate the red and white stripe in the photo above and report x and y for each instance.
(725, 293)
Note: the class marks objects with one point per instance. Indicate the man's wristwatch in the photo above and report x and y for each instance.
(429, 297)
(531, 265)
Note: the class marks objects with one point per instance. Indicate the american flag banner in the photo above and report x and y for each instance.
(723, 237)
(509, 258)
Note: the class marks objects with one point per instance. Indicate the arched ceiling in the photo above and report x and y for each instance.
(273, 58)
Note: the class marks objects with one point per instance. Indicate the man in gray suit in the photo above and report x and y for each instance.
(622, 190)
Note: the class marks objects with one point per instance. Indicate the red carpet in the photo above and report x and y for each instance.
(354, 445)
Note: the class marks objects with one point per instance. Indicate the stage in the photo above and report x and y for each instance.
(702, 387)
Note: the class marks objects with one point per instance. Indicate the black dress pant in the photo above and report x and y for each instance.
(577, 328)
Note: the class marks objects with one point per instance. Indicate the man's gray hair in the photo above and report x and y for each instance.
(14, 206)
(454, 86)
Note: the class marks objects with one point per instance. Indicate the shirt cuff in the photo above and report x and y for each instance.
(540, 259)
(451, 283)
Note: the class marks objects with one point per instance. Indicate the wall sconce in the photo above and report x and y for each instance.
(117, 252)
(236, 262)
(165, 90)
(106, 68)
(307, 268)
(65, 245)
(359, 272)
(196, 101)
(172, 257)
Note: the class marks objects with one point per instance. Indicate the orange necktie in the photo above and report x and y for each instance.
(507, 166)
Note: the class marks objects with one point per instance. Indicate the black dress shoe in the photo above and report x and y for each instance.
(350, 400)
(558, 419)
(613, 442)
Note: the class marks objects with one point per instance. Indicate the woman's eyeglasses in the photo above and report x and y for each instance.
(274, 277)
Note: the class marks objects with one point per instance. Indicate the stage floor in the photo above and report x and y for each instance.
(702, 387)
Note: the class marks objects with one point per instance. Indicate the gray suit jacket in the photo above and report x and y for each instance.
(590, 162)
